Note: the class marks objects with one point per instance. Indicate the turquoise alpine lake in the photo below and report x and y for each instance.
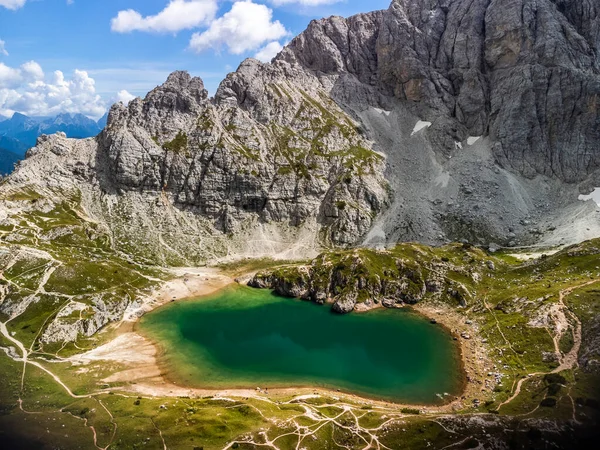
(241, 337)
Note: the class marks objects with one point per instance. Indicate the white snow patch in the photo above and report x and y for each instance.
(419, 126)
(594, 195)
(382, 111)
(472, 139)
(458, 145)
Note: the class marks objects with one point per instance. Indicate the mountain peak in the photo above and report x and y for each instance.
(66, 116)
(103, 120)
(179, 77)
(18, 117)
(21, 132)
(180, 92)
(379, 68)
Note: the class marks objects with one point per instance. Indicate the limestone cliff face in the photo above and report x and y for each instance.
(271, 145)
(508, 93)
(524, 72)
(288, 141)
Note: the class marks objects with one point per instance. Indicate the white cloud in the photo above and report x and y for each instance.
(32, 71)
(9, 77)
(269, 51)
(3, 48)
(178, 15)
(124, 96)
(304, 2)
(245, 27)
(12, 4)
(27, 90)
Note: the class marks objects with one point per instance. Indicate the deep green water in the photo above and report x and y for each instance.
(243, 337)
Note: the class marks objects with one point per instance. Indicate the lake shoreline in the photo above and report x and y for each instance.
(276, 389)
(474, 354)
(150, 378)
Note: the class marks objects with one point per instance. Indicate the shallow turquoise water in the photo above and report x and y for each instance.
(243, 337)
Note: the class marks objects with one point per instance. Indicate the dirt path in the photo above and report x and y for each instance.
(568, 361)
(56, 378)
(502, 334)
(368, 436)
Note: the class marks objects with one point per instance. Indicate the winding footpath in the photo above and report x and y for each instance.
(568, 361)
(302, 432)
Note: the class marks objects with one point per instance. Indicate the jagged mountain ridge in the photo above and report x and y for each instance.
(192, 179)
(451, 92)
(460, 60)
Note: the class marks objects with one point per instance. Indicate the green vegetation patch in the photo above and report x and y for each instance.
(179, 144)
(89, 277)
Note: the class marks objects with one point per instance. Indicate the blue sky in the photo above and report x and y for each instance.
(121, 48)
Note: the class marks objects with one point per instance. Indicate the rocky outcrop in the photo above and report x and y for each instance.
(359, 280)
(77, 320)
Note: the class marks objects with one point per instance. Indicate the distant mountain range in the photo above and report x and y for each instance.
(20, 132)
(7, 161)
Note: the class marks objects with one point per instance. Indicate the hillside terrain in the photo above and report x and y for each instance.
(344, 172)
(455, 157)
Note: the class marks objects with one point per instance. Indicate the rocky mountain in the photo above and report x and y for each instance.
(231, 177)
(430, 121)
(13, 145)
(506, 95)
(73, 125)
